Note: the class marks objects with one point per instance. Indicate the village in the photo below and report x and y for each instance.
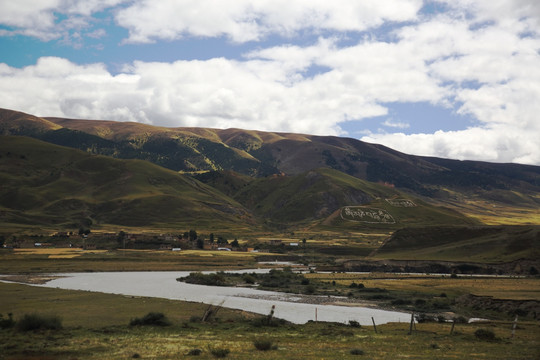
(188, 240)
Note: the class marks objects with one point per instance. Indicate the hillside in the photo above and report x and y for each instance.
(491, 193)
(322, 194)
(475, 244)
(45, 185)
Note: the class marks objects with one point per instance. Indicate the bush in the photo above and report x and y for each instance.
(249, 278)
(267, 321)
(354, 323)
(263, 345)
(152, 319)
(7, 323)
(485, 334)
(219, 352)
(195, 352)
(401, 302)
(357, 352)
(31, 322)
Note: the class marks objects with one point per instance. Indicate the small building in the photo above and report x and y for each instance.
(165, 247)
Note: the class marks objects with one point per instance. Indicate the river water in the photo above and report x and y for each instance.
(164, 285)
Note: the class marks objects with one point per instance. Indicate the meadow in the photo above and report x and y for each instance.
(96, 326)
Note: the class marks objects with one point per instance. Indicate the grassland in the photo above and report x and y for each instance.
(510, 288)
(32, 261)
(96, 327)
(479, 243)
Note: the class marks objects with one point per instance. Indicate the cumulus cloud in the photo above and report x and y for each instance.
(41, 19)
(480, 59)
(245, 20)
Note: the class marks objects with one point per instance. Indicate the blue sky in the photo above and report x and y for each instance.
(450, 78)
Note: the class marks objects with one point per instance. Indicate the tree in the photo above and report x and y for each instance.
(192, 235)
(211, 238)
(120, 238)
(235, 243)
(222, 240)
(200, 243)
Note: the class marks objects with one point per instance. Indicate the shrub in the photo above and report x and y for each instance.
(31, 322)
(249, 278)
(267, 321)
(152, 319)
(357, 352)
(262, 345)
(401, 302)
(7, 323)
(484, 334)
(354, 323)
(219, 352)
(195, 352)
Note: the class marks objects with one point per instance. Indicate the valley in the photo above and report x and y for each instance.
(87, 196)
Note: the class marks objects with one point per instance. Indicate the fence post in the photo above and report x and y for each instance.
(514, 327)
(374, 326)
(412, 322)
(453, 324)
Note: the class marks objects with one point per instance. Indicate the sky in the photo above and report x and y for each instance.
(457, 79)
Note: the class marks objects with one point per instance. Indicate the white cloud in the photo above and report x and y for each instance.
(481, 59)
(500, 143)
(41, 18)
(246, 20)
(396, 124)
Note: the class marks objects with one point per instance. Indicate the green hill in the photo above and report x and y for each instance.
(491, 193)
(471, 243)
(52, 186)
(322, 194)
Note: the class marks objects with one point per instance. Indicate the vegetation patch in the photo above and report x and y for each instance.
(31, 322)
(151, 319)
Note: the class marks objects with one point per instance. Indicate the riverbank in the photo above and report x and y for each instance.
(95, 326)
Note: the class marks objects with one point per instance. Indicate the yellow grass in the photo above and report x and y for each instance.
(52, 253)
(499, 288)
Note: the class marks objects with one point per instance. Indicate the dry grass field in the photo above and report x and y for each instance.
(507, 288)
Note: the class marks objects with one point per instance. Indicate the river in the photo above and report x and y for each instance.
(164, 285)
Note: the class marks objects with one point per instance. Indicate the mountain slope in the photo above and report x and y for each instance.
(478, 243)
(492, 193)
(322, 194)
(45, 184)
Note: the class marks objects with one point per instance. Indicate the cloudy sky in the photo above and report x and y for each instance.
(449, 78)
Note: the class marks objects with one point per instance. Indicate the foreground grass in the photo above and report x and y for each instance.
(96, 327)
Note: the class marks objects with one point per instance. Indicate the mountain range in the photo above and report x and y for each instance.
(60, 172)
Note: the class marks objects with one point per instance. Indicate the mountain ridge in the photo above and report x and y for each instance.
(467, 186)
